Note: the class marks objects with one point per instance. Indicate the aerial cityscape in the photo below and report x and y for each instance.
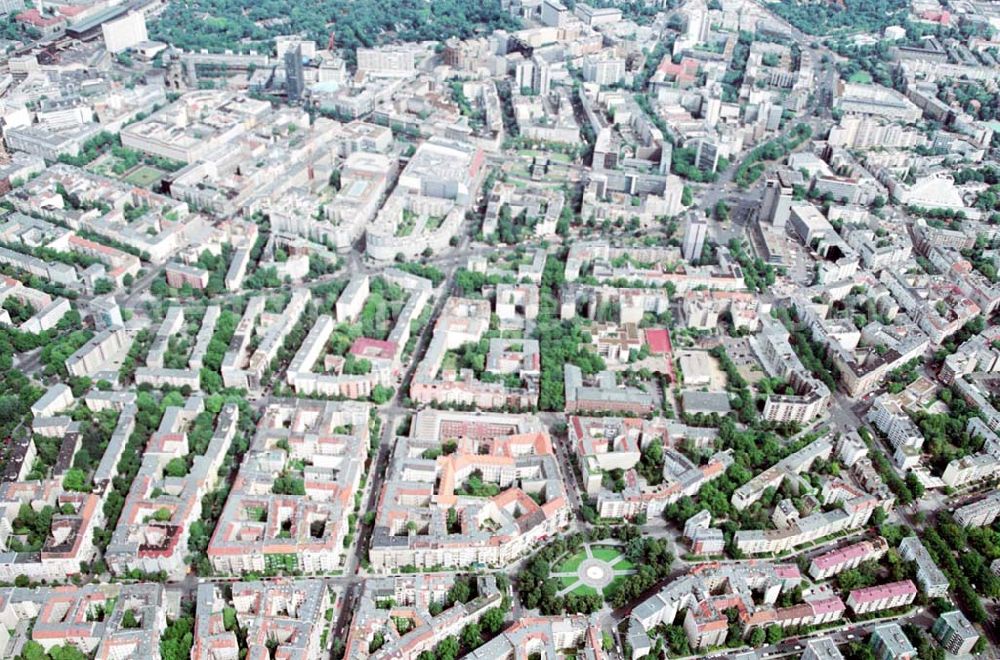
(499, 329)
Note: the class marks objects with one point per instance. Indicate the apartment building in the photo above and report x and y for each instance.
(352, 299)
(955, 633)
(809, 397)
(548, 634)
(830, 563)
(869, 132)
(393, 60)
(968, 469)
(58, 273)
(603, 69)
(931, 579)
(882, 597)
(889, 418)
(173, 322)
(57, 398)
(124, 214)
(823, 648)
(99, 351)
(179, 274)
(516, 301)
(787, 468)
(204, 337)
(70, 539)
(306, 374)
(46, 310)
(861, 370)
(979, 514)
(889, 642)
(244, 368)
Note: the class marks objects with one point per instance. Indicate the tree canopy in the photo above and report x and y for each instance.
(219, 25)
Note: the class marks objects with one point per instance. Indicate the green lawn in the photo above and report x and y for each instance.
(584, 590)
(520, 170)
(551, 155)
(605, 553)
(860, 77)
(144, 177)
(568, 580)
(406, 227)
(623, 565)
(101, 165)
(433, 222)
(572, 563)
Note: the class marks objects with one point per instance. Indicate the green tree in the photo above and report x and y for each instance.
(76, 480)
(129, 620)
(915, 485)
(448, 648)
(32, 650)
(460, 592)
(721, 211)
(687, 197)
(472, 637)
(176, 467)
(381, 394)
(493, 620)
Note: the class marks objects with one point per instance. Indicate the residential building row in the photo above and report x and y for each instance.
(606, 444)
(289, 506)
(708, 590)
(154, 526)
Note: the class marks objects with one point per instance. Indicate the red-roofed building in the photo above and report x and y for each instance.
(882, 597)
(841, 559)
(373, 349)
(787, 572)
(658, 341)
(71, 11)
(942, 17)
(684, 74)
(47, 25)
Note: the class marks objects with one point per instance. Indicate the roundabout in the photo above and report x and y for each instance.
(592, 569)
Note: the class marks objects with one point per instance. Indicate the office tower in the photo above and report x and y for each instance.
(294, 81)
(694, 238)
